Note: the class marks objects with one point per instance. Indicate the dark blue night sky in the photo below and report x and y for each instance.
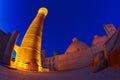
(66, 19)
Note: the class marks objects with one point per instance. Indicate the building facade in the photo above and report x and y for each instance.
(80, 55)
(7, 43)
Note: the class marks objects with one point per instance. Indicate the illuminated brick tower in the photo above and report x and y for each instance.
(29, 53)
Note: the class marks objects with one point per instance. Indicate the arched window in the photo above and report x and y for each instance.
(78, 49)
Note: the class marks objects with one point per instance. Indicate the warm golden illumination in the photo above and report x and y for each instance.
(29, 53)
(16, 48)
(43, 10)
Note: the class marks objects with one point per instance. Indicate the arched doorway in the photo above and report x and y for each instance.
(13, 55)
(114, 58)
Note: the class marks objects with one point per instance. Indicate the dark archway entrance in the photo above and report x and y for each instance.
(114, 58)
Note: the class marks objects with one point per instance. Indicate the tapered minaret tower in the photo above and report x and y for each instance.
(29, 53)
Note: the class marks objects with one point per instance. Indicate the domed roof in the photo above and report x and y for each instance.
(76, 46)
(99, 40)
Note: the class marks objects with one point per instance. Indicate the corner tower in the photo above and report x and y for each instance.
(29, 53)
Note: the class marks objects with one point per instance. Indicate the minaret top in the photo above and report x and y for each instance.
(43, 10)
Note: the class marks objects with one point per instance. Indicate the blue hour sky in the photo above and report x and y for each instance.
(66, 19)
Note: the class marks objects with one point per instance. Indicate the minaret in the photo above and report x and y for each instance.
(29, 53)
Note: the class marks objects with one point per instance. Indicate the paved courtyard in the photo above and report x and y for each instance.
(81, 74)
